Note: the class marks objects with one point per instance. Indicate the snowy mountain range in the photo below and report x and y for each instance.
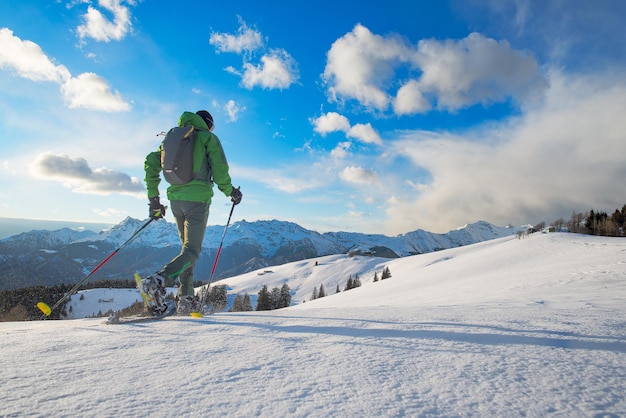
(42, 257)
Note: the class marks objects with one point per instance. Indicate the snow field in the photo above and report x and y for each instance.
(532, 327)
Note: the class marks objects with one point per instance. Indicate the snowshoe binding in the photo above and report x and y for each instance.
(152, 290)
(187, 304)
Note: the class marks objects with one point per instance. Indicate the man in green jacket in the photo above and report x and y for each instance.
(190, 204)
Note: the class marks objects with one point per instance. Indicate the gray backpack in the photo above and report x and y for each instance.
(177, 155)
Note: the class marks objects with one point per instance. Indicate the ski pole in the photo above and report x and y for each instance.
(47, 310)
(217, 257)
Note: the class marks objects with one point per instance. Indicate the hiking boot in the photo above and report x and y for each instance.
(187, 304)
(154, 288)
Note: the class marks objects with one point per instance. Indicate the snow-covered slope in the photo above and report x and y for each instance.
(505, 270)
(533, 327)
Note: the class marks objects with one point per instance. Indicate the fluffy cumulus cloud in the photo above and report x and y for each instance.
(277, 70)
(335, 122)
(561, 156)
(27, 60)
(76, 174)
(274, 69)
(449, 74)
(331, 122)
(476, 69)
(88, 90)
(410, 99)
(361, 65)
(341, 150)
(98, 27)
(91, 91)
(365, 133)
(246, 40)
(358, 175)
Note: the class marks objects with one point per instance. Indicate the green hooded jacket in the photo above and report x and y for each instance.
(196, 190)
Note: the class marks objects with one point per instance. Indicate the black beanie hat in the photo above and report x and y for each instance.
(206, 116)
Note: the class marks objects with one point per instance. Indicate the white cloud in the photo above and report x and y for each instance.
(358, 175)
(277, 70)
(449, 74)
(474, 70)
(361, 65)
(247, 40)
(567, 154)
(232, 70)
(331, 122)
(76, 174)
(88, 90)
(27, 59)
(91, 91)
(334, 122)
(101, 29)
(233, 109)
(411, 100)
(365, 133)
(341, 150)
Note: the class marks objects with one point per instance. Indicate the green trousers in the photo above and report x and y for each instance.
(191, 219)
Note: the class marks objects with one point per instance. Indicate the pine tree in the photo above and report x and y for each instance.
(349, 284)
(237, 304)
(321, 292)
(263, 302)
(356, 282)
(285, 296)
(617, 218)
(241, 303)
(386, 274)
(314, 295)
(247, 306)
(275, 298)
(338, 290)
(590, 222)
(375, 276)
(217, 299)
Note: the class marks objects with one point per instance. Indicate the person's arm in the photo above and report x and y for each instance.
(152, 167)
(219, 165)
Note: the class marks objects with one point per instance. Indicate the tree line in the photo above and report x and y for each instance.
(20, 304)
(267, 300)
(277, 298)
(351, 283)
(592, 222)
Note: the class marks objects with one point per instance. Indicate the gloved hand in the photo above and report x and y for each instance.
(157, 210)
(235, 196)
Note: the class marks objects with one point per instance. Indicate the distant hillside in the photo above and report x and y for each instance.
(47, 258)
(14, 226)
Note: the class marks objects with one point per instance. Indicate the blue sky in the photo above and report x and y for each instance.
(378, 117)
